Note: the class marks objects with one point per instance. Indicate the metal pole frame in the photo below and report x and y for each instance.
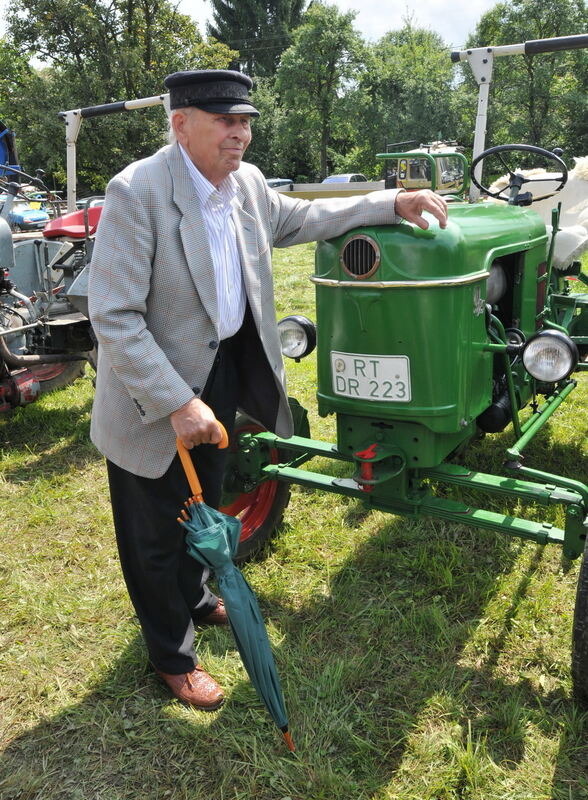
(481, 61)
(73, 121)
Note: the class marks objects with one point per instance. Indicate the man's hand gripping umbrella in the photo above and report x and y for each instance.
(212, 538)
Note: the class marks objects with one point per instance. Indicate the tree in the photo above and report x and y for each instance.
(537, 99)
(264, 150)
(258, 29)
(93, 52)
(405, 93)
(322, 64)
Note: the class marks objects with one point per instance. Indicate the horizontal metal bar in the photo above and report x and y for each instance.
(367, 284)
(544, 493)
(556, 43)
(550, 489)
(114, 108)
(489, 347)
(311, 446)
(102, 110)
(16, 331)
(557, 480)
(539, 532)
(315, 480)
(529, 48)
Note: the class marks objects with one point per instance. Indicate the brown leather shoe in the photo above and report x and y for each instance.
(197, 688)
(216, 617)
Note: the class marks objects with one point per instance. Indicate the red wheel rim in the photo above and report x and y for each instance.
(253, 508)
(46, 372)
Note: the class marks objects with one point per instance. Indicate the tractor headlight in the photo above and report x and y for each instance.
(297, 336)
(550, 356)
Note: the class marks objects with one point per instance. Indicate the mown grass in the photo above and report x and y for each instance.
(420, 660)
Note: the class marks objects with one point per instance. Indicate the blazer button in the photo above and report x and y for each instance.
(213, 345)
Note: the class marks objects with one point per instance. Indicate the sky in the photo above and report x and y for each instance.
(453, 20)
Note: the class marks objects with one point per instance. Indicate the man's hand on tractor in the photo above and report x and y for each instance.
(195, 423)
(411, 205)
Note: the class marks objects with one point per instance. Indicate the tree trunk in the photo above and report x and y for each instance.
(325, 133)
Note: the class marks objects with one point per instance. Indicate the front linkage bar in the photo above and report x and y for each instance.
(416, 497)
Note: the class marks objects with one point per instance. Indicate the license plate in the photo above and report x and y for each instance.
(367, 377)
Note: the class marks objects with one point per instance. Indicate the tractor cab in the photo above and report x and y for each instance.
(439, 166)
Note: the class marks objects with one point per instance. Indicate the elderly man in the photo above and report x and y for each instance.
(181, 300)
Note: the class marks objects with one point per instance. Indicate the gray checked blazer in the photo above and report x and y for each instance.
(153, 303)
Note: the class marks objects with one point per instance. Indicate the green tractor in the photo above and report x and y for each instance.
(427, 340)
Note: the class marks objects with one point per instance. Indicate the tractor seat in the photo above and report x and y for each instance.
(72, 225)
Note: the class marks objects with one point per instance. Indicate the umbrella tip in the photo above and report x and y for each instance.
(289, 742)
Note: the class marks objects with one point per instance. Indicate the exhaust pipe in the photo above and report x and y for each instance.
(17, 362)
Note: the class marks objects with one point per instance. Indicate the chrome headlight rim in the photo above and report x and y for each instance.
(307, 336)
(549, 338)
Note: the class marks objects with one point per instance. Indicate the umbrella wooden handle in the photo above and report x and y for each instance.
(188, 465)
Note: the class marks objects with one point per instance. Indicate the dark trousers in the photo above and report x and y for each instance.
(167, 586)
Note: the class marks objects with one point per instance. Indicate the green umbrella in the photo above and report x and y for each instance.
(212, 538)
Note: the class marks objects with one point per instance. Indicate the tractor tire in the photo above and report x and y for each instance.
(261, 510)
(57, 376)
(580, 637)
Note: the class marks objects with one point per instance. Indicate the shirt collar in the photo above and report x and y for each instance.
(204, 188)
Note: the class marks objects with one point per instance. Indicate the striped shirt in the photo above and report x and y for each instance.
(217, 208)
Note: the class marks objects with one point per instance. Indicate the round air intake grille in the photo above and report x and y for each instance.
(360, 257)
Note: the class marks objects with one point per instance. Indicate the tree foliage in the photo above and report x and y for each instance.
(323, 63)
(93, 52)
(259, 29)
(264, 149)
(538, 99)
(405, 94)
(329, 101)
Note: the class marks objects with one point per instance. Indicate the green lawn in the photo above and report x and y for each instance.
(420, 660)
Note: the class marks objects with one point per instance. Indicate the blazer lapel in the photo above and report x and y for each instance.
(193, 234)
(246, 228)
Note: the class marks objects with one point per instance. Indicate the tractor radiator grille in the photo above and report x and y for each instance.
(360, 256)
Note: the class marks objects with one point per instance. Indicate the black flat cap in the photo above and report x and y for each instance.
(220, 91)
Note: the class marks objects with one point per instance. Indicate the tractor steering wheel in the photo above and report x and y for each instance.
(517, 179)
